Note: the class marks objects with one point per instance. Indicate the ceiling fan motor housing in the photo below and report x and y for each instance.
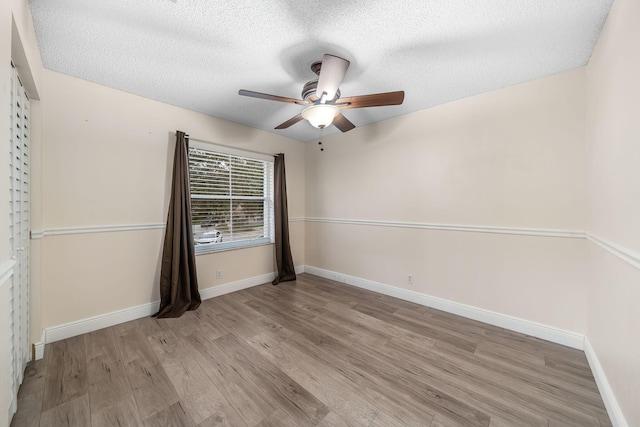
(309, 92)
(315, 67)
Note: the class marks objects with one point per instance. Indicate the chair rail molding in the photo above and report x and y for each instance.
(455, 227)
(61, 231)
(39, 234)
(625, 254)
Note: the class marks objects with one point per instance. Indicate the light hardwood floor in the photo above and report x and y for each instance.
(310, 352)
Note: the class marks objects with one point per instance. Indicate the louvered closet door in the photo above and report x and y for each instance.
(19, 233)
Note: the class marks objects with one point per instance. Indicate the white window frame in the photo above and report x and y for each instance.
(268, 215)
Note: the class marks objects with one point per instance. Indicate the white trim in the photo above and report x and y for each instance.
(227, 288)
(610, 402)
(39, 346)
(90, 324)
(625, 254)
(6, 270)
(545, 332)
(39, 234)
(230, 150)
(231, 246)
(13, 407)
(449, 227)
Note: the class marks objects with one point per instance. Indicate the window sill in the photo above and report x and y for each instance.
(230, 246)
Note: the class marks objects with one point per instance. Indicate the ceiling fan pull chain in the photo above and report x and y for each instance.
(320, 142)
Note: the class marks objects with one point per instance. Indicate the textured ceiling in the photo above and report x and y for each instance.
(197, 54)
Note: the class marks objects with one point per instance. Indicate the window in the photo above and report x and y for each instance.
(231, 200)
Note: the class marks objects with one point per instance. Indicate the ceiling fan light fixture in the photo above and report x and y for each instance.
(321, 115)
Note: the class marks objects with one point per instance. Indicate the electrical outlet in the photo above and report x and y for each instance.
(218, 274)
(410, 279)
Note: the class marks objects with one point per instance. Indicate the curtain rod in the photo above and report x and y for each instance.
(231, 146)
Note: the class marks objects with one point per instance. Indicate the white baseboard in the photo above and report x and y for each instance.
(538, 330)
(79, 327)
(39, 346)
(609, 399)
(227, 288)
(13, 408)
(216, 291)
(90, 324)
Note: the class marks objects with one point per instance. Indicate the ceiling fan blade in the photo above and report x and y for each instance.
(342, 123)
(253, 94)
(373, 100)
(332, 72)
(292, 121)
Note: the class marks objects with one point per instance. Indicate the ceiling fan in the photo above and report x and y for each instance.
(322, 97)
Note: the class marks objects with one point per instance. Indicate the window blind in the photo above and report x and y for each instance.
(231, 200)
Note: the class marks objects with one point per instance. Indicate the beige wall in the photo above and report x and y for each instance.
(613, 117)
(509, 158)
(107, 160)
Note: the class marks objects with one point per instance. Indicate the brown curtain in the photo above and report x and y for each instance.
(284, 260)
(178, 278)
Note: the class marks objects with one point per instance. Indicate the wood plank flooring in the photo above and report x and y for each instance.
(305, 353)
